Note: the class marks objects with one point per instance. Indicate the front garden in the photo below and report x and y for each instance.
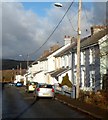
(99, 98)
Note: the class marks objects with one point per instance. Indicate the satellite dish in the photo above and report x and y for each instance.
(58, 4)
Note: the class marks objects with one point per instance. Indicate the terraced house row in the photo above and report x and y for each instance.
(57, 62)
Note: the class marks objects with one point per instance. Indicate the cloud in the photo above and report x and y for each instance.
(99, 15)
(24, 31)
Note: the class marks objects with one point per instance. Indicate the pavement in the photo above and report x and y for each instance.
(91, 110)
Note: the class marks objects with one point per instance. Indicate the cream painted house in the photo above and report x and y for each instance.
(39, 74)
(55, 65)
(18, 78)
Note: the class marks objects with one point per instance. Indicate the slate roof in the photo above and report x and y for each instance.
(59, 71)
(85, 42)
(94, 38)
(37, 72)
(45, 57)
(66, 50)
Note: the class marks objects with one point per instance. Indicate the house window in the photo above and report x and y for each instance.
(69, 61)
(92, 78)
(82, 77)
(66, 60)
(75, 59)
(75, 78)
(92, 56)
(83, 58)
(58, 62)
(63, 61)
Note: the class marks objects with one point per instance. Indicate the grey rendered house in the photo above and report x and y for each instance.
(90, 78)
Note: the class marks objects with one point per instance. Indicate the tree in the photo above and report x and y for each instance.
(66, 81)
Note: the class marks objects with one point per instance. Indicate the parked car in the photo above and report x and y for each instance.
(11, 84)
(19, 84)
(31, 86)
(44, 90)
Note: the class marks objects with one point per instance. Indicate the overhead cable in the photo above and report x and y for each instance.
(52, 31)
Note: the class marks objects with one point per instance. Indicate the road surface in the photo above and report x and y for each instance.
(16, 103)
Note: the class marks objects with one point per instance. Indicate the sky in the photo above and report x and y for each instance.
(27, 25)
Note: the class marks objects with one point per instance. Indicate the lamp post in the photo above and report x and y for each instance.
(20, 66)
(27, 64)
(78, 46)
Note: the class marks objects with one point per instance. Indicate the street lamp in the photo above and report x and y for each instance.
(58, 4)
(78, 47)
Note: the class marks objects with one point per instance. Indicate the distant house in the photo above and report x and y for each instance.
(18, 78)
(42, 66)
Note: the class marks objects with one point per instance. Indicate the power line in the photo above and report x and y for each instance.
(52, 31)
(71, 24)
(87, 19)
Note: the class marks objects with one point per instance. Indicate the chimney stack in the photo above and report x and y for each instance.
(46, 52)
(54, 47)
(67, 40)
(97, 28)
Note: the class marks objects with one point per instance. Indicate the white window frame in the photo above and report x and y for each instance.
(83, 58)
(92, 78)
(75, 58)
(92, 55)
(63, 61)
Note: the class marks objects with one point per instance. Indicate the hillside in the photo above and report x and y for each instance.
(7, 64)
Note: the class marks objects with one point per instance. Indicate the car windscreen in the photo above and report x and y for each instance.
(32, 83)
(45, 86)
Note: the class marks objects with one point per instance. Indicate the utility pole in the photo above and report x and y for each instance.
(27, 68)
(20, 68)
(27, 61)
(78, 51)
(17, 69)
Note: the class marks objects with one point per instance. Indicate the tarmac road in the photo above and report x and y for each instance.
(16, 103)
